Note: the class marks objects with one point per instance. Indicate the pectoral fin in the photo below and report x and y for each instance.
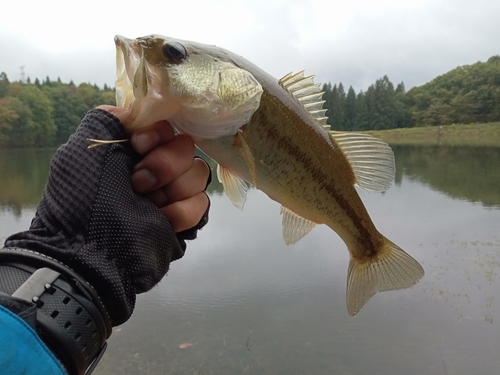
(234, 186)
(294, 226)
(241, 144)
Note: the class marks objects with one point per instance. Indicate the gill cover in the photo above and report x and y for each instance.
(197, 92)
(220, 97)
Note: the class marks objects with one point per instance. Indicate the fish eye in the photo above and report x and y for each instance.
(174, 51)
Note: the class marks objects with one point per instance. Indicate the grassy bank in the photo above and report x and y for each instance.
(454, 135)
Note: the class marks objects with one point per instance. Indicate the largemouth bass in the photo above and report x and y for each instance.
(271, 134)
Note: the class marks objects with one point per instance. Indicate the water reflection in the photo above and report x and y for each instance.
(24, 174)
(251, 305)
(468, 173)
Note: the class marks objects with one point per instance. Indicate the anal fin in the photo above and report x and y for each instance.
(294, 226)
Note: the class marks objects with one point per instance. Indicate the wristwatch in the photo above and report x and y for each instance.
(58, 304)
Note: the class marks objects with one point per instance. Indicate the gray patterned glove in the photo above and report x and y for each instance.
(92, 221)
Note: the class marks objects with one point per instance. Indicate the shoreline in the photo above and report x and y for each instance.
(487, 134)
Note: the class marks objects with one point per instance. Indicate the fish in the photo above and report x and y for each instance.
(272, 134)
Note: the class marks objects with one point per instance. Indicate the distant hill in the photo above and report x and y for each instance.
(467, 94)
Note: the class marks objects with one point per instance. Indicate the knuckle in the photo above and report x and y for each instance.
(188, 213)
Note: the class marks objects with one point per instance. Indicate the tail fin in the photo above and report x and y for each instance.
(390, 269)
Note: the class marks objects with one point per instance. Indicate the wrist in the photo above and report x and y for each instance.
(69, 317)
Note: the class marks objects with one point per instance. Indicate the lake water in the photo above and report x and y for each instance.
(248, 304)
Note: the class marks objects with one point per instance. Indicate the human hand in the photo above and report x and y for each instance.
(168, 174)
(94, 219)
(98, 237)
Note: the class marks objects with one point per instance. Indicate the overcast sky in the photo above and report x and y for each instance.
(354, 41)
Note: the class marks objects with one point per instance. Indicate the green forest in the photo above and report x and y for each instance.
(467, 94)
(45, 113)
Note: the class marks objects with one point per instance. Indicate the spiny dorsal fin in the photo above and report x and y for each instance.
(371, 159)
(307, 93)
(294, 226)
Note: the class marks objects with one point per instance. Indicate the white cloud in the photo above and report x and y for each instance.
(354, 42)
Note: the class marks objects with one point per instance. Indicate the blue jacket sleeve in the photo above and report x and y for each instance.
(22, 351)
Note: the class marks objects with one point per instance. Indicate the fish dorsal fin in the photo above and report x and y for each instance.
(294, 226)
(234, 186)
(371, 159)
(307, 93)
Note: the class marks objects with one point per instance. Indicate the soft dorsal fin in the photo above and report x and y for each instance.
(234, 186)
(371, 159)
(294, 226)
(307, 93)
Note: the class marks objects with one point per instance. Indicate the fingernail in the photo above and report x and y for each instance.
(143, 142)
(143, 180)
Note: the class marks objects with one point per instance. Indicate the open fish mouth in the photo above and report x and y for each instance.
(131, 71)
(142, 82)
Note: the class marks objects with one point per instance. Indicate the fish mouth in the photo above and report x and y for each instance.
(131, 71)
(140, 79)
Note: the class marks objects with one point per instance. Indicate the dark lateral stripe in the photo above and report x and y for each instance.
(276, 137)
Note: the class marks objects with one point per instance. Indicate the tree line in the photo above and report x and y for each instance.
(467, 94)
(45, 113)
(380, 107)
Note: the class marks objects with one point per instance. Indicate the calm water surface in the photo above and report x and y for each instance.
(251, 305)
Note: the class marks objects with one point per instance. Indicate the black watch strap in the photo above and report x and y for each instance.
(69, 316)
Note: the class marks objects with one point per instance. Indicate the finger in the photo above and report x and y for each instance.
(120, 112)
(164, 164)
(159, 133)
(187, 185)
(187, 213)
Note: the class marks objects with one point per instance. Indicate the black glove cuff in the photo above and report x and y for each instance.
(70, 318)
